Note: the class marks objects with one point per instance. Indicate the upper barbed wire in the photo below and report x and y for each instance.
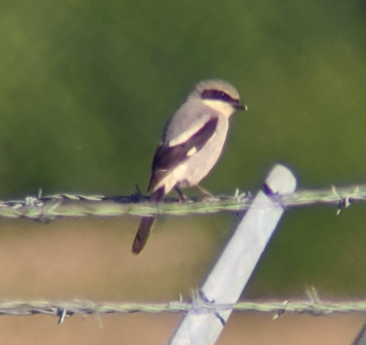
(45, 208)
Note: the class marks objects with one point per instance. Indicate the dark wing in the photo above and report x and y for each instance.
(168, 157)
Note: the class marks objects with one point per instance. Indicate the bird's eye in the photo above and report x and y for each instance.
(220, 95)
(224, 96)
(216, 94)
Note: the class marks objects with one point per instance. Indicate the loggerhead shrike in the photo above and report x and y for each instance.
(191, 144)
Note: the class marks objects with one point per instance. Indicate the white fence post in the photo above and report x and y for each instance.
(233, 269)
(361, 336)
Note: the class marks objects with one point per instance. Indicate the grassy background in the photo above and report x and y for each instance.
(86, 87)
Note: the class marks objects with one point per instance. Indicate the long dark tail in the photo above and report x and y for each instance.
(146, 224)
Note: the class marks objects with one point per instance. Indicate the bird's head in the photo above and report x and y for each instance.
(219, 95)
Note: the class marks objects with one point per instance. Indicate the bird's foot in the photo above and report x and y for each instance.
(205, 192)
(182, 196)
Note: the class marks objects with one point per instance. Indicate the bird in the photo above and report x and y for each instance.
(191, 144)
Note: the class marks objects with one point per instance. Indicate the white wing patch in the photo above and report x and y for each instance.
(192, 151)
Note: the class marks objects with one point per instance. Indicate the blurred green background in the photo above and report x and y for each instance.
(86, 87)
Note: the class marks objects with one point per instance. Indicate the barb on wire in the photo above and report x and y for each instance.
(45, 208)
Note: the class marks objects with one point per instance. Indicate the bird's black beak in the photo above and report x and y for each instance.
(239, 105)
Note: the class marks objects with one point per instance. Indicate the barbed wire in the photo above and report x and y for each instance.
(45, 208)
(65, 309)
